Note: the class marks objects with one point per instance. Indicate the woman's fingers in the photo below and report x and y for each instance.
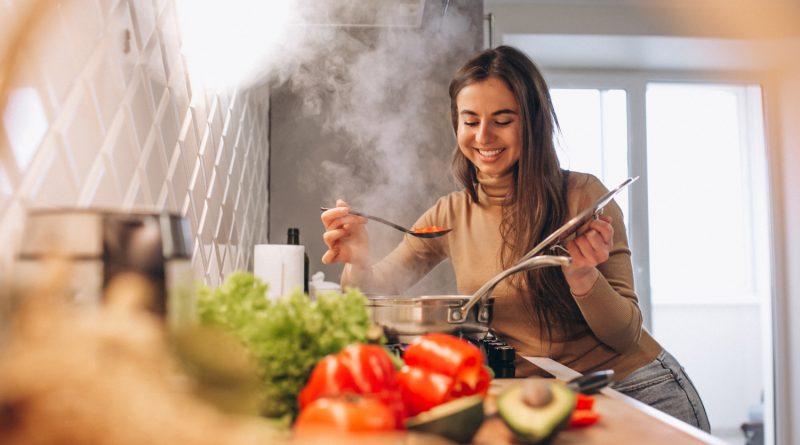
(331, 237)
(330, 216)
(329, 256)
(592, 247)
(344, 235)
(338, 217)
(604, 228)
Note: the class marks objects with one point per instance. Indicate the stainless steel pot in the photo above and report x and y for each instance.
(405, 318)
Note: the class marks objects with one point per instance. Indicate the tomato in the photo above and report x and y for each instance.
(345, 413)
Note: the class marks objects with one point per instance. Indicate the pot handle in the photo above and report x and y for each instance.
(459, 314)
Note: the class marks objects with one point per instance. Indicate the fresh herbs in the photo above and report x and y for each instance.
(286, 337)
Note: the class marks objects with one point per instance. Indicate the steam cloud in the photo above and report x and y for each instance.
(374, 96)
(380, 96)
(383, 91)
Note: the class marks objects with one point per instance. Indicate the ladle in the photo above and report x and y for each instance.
(417, 233)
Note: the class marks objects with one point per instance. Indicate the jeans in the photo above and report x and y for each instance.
(664, 385)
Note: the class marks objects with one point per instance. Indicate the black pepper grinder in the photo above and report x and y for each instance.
(294, 239)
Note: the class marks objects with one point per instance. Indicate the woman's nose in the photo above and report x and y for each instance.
(484, 135)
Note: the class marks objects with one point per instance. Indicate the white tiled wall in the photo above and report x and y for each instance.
(102, 113)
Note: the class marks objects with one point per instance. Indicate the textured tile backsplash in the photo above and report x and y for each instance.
(102, 113)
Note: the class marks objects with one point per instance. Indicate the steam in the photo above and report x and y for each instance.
(387, 100)
(384, 101)
(378, 94)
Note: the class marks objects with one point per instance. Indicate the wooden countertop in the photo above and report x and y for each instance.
(623, 420)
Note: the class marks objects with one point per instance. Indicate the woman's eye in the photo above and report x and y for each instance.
(471, 124)
(502, 122)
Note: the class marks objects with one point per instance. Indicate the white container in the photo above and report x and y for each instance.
(318, 285)
(280, 266)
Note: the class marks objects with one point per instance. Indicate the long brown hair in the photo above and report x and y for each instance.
(537, 204)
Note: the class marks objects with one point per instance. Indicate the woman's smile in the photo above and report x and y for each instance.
(490, 153)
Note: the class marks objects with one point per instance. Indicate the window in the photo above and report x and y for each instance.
(593, 135)
(701, 185)
(702, 262)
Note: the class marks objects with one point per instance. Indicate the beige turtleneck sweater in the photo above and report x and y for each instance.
(615, 337)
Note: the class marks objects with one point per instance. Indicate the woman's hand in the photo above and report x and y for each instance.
(345, 236)
(588, 250)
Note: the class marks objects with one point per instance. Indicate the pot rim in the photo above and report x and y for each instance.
(421, 300)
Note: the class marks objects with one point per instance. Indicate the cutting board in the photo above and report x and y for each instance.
(622, 421)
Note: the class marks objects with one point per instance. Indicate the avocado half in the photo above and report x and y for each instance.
(536, 425)
(457, 420)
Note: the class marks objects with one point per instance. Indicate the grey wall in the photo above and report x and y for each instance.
(368, 120)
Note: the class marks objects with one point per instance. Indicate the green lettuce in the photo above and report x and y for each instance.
(286, 337)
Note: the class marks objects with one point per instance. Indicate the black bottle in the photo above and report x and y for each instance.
(294, 239)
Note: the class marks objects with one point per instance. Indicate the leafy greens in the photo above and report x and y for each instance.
(286, 337)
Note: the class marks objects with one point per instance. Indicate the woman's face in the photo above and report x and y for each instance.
(489, 129)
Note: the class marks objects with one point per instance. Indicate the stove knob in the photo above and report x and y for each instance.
(502, 354)
(504, 372)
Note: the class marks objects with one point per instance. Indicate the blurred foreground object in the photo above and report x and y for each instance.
(79, 375)
(102, 244)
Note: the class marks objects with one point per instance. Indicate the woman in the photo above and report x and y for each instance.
(585, 315)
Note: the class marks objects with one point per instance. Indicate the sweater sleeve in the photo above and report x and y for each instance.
(611, 307)
(408, 263)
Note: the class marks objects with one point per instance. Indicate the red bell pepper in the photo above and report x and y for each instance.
(481, 386)
(439, 368)
(583, 415)
(329, 378)
(448, 355)
(344, 413)
(583, 401)
(582, 418)
(422, 389)
(357, 369)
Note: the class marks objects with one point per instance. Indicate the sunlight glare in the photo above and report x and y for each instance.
(228, 44)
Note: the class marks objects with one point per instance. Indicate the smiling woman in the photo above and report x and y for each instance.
(514, 195)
